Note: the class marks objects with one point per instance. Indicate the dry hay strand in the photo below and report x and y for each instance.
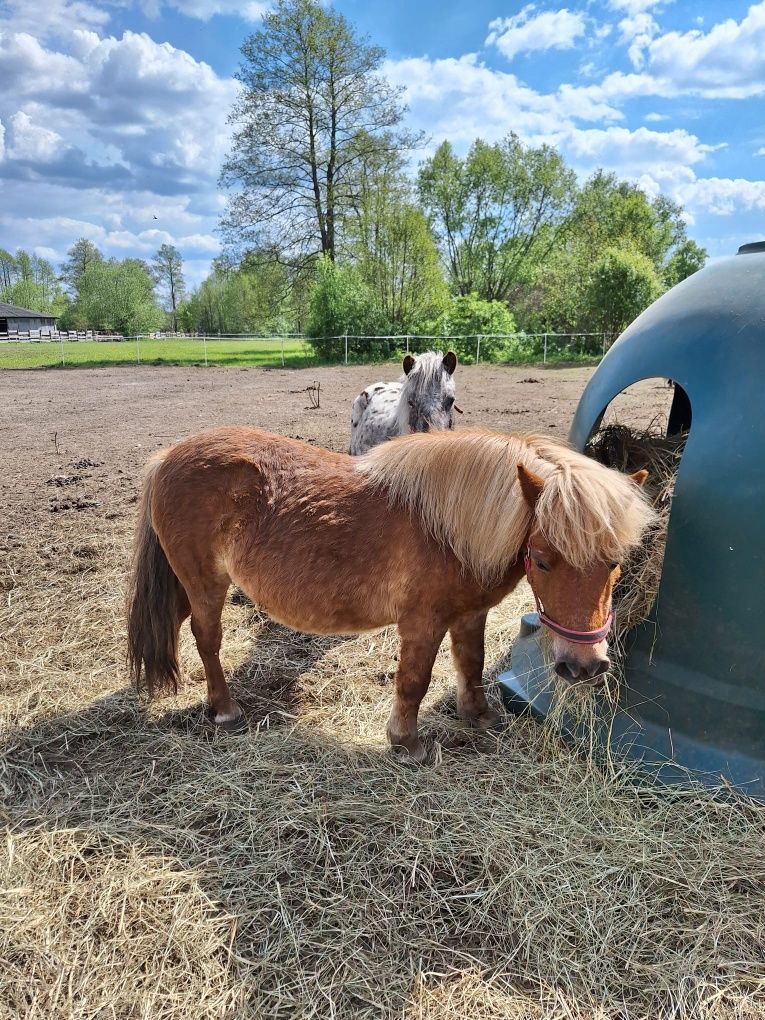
(152, 867)
(627, 449)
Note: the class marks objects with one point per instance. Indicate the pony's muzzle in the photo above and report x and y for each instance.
(592, 672)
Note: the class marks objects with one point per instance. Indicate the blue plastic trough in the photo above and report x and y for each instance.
(695, 671)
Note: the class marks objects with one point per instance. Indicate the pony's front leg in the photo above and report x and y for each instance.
(416, 657)
(467, 637)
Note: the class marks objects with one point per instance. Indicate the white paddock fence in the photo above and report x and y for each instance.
(39, 348)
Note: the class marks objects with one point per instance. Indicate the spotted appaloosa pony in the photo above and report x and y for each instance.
(428, 531)
(421, 400)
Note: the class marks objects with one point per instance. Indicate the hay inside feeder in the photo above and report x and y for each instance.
(626, 449)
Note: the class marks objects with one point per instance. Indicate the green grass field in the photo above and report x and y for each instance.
(252, 352)
(171, 351)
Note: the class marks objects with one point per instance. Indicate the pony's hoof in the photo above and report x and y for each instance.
(415, 755)
(238, 725)
(488, 720)
(228, 722)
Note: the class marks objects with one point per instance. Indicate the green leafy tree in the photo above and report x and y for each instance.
(313, 106)
(256, 297)
(497, 212)
(341, 304)
(30, 281)
(390, 242)
(7, 269)
(623, 283)
(82, 254)
(687, 259)
(119, 295)
(469, 317)
(167, 271)
(609, 215)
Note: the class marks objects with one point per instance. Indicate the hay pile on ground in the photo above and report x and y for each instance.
(151, 867)
(627, 449)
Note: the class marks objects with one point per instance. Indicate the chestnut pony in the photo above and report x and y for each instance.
(428, 531)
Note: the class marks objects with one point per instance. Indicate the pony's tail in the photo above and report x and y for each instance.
(156, 603)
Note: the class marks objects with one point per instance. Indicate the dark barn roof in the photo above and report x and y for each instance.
(14, 312)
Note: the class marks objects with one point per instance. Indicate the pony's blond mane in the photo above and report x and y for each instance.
(465, 488)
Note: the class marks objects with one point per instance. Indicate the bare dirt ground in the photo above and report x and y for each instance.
(118, 416)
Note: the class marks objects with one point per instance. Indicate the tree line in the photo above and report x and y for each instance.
(127, 296)
(321, 189)
(338, 223)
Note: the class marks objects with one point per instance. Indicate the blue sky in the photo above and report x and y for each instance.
(113, 113)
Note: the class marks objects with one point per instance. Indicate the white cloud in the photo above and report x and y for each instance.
(139, 112)
(31, 142)
(637, 31)
(663, 157)
(526, 31)
(206, 9)
(26, 68)
(728, 61)
(462, 98)
(633, 7)
(127, 135)
(47, 18)
(760, 152)
(722, 196)
(655, 118)
(199, 243)
(56, 18)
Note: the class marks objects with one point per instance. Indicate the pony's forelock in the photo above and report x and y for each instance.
(428, 370)
(586, 511)
(465, 488)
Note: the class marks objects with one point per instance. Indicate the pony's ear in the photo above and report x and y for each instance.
(450, 362)
(639, 477)
(408, 364)
(531, 485)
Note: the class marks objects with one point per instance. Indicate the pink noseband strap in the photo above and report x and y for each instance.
(577, 637)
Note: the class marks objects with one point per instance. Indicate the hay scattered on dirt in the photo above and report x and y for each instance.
(152, 867)
(626, 449)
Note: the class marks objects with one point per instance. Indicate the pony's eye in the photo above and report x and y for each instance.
(541, 565)
(612, 566)
(411, 403)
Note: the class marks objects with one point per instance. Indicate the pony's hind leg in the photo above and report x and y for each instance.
(416, 657)
(467, 637)
(206, 609)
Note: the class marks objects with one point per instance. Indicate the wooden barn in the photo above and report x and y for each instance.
(23, 320)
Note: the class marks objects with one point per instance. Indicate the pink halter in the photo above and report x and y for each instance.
(577, 637)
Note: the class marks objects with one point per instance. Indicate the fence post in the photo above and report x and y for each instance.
(544, 359)
(138, 349)
(282, 352)
(407, 343)
(478, 348)
(204, 344)
(604, 345)
(346, 348)
(62, 353)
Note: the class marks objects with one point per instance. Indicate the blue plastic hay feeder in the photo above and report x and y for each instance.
(695, 670)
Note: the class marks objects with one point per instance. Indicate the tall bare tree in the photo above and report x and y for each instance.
(313, 108)
(167, 272)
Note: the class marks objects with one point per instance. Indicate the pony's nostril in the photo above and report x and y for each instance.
(568, 670)
(599, 667)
